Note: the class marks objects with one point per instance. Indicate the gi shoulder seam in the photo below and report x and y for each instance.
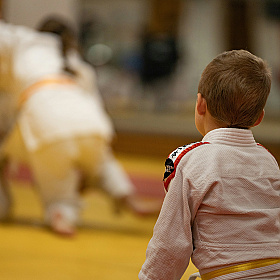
(173, 160)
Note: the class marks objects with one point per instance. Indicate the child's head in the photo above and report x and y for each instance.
(235, 86)
(63, 29)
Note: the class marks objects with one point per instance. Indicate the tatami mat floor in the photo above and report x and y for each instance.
(107, 246)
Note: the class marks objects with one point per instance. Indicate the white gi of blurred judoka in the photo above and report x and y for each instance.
(61, 129)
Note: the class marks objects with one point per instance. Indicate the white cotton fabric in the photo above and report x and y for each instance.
(222, 208)
(60, 118)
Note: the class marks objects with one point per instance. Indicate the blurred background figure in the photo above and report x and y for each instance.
(62, 131)
(71, 52)
(160, 53)
(113, 177)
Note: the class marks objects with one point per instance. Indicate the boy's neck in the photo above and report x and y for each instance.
(210, 124)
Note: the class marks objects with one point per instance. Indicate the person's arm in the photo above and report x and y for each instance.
(170, 248)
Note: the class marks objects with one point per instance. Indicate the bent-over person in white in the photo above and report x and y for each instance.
(62, 131)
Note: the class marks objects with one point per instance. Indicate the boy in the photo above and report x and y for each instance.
(222, 206)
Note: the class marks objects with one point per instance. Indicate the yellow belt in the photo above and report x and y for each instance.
(48, 81)
(239, 267)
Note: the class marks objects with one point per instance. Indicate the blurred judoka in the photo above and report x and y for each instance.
(61, 129)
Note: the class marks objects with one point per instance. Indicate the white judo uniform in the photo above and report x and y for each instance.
(222, 209)
(61, 131)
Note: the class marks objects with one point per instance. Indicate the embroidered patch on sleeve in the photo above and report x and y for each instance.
(173, 160)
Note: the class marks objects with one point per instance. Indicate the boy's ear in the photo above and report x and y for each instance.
(260, 118)
(201, 105)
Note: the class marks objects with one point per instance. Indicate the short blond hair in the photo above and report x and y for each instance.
(236, 85)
